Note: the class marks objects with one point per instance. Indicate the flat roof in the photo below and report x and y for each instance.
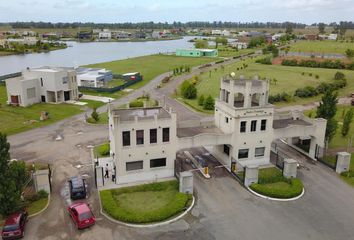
(193, 131)
(283, 123)
(129, 114)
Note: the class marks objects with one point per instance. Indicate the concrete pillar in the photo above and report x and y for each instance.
(186, 182)
(99, 176)
(248, 95)
(41, 180)
(290, 168)
(251, 175)
(312, 151)
(343, 162)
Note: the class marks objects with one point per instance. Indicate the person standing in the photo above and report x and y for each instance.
(106, 171)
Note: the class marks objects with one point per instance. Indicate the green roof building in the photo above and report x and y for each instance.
(197, 52)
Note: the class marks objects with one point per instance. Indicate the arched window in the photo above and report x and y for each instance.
(256, 100)
(239, 100)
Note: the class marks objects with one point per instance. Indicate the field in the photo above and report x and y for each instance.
(288, 80)
(230, 52)
(18, 119)
(322, 46)
(151, 66)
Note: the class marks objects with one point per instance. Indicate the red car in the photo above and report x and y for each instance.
(14, 226)
(82, 215)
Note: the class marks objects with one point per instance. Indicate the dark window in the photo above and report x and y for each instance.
(253, 125)
(226, 149)
(166, 134)
(131, 166)
(153, 135)
(158, 162)
(259, 152)
(41, 82)
(126, 138)
(85, 215)
(226, 119)
(263, 124)
(243, 153)
(243, 126)
(139, 137)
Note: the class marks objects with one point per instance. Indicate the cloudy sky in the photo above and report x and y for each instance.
(305, 11)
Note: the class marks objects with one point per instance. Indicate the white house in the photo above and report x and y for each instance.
(144, 141)
(216, 32)
(238, 45)
(44, 84)
(226, 33)
(25, 40)
(93, 77)
(332, 36)
(105, 34)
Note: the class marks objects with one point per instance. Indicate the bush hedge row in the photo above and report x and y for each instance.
(336, 64)
(293, 188)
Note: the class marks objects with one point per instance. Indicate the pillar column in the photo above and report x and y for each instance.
(312, 151)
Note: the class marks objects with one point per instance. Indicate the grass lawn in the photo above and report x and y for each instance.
(151, 66)
(231, 52)
(115, 83)
(92, 104)
(114, 95)
(321, 46)
(145, 203)
(17, 119)
(271, 183)
(37, 206)
(101, 150)
(338, 140)
(288, 80)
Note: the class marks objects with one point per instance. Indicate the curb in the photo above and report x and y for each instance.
(277, 199)
(41, 211)
(146, 225)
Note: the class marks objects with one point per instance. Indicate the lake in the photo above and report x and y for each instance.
(87, 53)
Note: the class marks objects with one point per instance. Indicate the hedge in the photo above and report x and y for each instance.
(283, 190)
(337, 64)
(111, 206)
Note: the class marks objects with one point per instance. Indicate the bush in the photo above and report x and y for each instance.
(279, 189)
(305, 92)
(279, 97)
(102, 150)
(42, 194)
(201, 100)
(188, 90)
(209, 103)
(266, 61)
(339, 76)
(94, 115)
(136, 104)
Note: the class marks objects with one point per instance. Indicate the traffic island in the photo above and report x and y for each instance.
(146, 205)
(273, 185)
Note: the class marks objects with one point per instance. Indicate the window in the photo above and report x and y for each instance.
(263, 124)
(65, 80)
(41, 82)
(153, 135)
(126, 138)
(259, 152)
(253, 125)
(166, 134)
(226, 119)
(31, 93)
(131, 166)
(243, 126)
(243, 153)
(159, 162)
(139, 137)
(226, 149)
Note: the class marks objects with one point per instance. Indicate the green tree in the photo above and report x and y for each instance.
(289, 28)
(200, 43)
(188, 90)
(201, 100)
(321, 28)
(348, 117)
(327, 110)
(94, 115)
(209, 103)
(9, 191)
(349, 53)
(339, 76)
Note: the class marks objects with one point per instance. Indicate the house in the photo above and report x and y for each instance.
(333, 36)
(139, 34)
(311, 37)
(217, 32)
(226, 33)
(93, 77)
(52, 35)
(243, 34)
(23, 41)
(156, 34)
(144, 141)
(122, 35)
(84, 35)
(29, 33)
(105, 34)
(238, 45)
(277, 36)
(197, 52)
(44, 84)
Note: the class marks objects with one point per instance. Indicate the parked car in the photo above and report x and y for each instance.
(77, 186)
(81, 215)
(14, 226)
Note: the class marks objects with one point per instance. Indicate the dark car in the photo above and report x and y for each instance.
(81, 215)
(77, 186)
(14, 226)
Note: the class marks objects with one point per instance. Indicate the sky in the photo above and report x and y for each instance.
(112, 11)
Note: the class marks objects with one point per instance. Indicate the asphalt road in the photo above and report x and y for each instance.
(223, 210)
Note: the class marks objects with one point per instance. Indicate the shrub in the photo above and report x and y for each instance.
(201, 100)
(339, 76)
(305, 92)
(266, 61)
(42, 194)
(188, 90)
(279, 97)
(279, 190)
(94, 115)
(103, 150)
(289, 62)
(136, 104)
(317, 77)
(209, 103)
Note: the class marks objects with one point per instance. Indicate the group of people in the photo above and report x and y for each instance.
(113, 172)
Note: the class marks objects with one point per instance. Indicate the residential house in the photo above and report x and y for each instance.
(197, 52)
(24, 41)
(311, 37)
(333, 36)
(226, 33)
(238, 45)
(44, 84)
(105, 34)
(93, 77)
(216, 32)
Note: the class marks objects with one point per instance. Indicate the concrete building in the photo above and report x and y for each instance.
(24, 41)
(217, 32)
(238, 45)
(144, 142)
(197, 52)
(105, 34)
(93, 77)
(333, 36)
(44, 84)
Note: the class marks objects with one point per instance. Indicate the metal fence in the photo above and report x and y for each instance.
(113, 89)
(12, 75)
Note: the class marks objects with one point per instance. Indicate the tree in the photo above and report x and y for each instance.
(349, 53)
(321, 28)
(95, 115)
(200, 43)
(348, 117)
(188, 90)
(209, 103)
(201, 100)
(339, 76)
(327, 110)
(289, 28)
(9, 192)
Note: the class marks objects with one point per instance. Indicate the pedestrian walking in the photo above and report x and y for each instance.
(106, 175)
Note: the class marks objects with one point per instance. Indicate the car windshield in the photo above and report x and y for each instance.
(9, 228)
(85, 215)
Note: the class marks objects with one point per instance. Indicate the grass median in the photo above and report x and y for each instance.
(146, 203)
(271, 183)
